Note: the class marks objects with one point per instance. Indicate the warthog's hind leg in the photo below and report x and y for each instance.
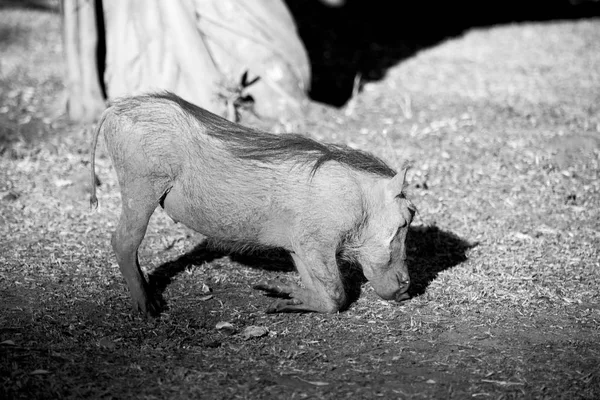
(138, 206)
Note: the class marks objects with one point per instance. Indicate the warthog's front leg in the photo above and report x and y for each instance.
(323, 291)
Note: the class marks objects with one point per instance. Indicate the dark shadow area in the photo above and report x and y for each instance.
(162, 275)
(367, 37)
(353, 279)
(266, 259)
(270, 260)
(101, 47)
(429, 251)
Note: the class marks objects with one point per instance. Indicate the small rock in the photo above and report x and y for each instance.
(225, 327)
(254, 331)
(39, 372)
(107, 344)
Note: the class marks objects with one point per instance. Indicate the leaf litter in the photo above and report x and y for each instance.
(504, 252)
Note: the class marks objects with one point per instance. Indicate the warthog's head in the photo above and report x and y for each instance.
(382, 240)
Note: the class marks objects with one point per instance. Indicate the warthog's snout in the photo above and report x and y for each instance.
(394, 289)
(401, 296)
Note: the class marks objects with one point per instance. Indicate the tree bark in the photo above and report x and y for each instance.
(80, 39)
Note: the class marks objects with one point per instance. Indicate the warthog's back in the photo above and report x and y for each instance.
(233, 183)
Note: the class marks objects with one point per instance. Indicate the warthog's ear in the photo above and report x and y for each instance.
(396, 184)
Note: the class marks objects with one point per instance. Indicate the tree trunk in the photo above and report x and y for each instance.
(80, 40)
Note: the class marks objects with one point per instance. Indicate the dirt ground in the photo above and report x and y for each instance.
(502, 125)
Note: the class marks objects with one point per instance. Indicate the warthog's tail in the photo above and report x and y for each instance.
(93, 198)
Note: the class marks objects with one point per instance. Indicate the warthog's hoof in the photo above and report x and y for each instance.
(274, 289)
(286, 305)
(150, 307)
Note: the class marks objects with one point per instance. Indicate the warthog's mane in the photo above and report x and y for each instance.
(250, 144)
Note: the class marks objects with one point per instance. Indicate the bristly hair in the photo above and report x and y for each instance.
(251, 144)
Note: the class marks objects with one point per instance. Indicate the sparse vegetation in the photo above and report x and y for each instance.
(502, 125)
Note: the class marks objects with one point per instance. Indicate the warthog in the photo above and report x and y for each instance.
(246, 189)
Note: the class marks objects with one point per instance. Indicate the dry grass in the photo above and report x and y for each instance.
(504, 134)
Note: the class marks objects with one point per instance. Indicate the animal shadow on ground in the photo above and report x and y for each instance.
(430, 251)
(267, 259)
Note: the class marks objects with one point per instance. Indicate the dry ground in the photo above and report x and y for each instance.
(502, 125)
